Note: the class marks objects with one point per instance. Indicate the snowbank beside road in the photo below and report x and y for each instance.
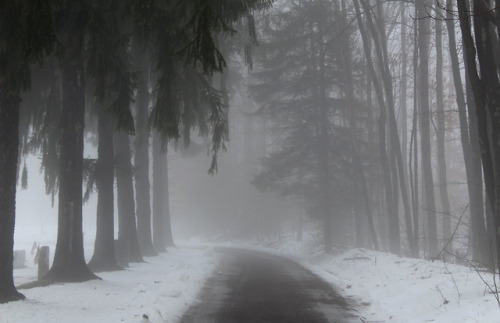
(160, 289)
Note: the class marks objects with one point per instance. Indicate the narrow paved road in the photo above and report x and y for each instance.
(257, 287)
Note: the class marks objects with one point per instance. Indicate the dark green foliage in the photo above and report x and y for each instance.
(89, 177)
(184, 39)
(108, 63)
(299, 87)
(209, 18)
(40, 111)
(218, 122)
(26, 36)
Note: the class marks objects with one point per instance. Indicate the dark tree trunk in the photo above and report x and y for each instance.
(127, 231)
(141, 163)
(481, 243)
(486, 40)
(69, 262)
(425, 133)
(479, 89)
(414, 172)
(9, 141)
(158, 195)
(404, 87)
(104, 248)
(472, 158)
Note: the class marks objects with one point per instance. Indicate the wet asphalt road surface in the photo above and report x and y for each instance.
(257, 287)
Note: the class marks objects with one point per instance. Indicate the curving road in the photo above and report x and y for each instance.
(257, 287)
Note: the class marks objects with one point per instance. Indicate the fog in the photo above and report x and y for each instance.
(309, 127)
(315, 129)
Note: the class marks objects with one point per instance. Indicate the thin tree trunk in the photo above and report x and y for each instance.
(440, 139)
(404, 87)
(168, 238)
(415, 186)
(9, 145)
(158, 195)
(425, 139)
(104, 248)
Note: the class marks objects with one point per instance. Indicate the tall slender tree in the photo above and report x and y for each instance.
(32, 40)
(107, 69)
(158, 194)
(440, 138)
(141, 158)
(424, 118)
(69, 262)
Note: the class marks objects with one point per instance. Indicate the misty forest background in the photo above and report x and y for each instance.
(377, 122)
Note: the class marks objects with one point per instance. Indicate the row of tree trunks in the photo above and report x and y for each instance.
(472, 158)
(127, 232)
(392, 160)
(360, 180)
(381, 121)
(485, 88)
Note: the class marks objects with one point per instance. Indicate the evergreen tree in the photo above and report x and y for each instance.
(26, 36)
(107, 70)
(298, 87)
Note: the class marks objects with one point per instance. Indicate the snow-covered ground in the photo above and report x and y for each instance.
(387, 288)
(162, 289)
(382, 287)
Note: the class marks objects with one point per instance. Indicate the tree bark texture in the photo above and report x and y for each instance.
(9, 142)
(104, 248)
(481, 92)
(468, 135)
(486, 40)
(127, 231)
(141, 163)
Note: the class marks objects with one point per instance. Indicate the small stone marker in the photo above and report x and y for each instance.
(19, 259)
(43, 261)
